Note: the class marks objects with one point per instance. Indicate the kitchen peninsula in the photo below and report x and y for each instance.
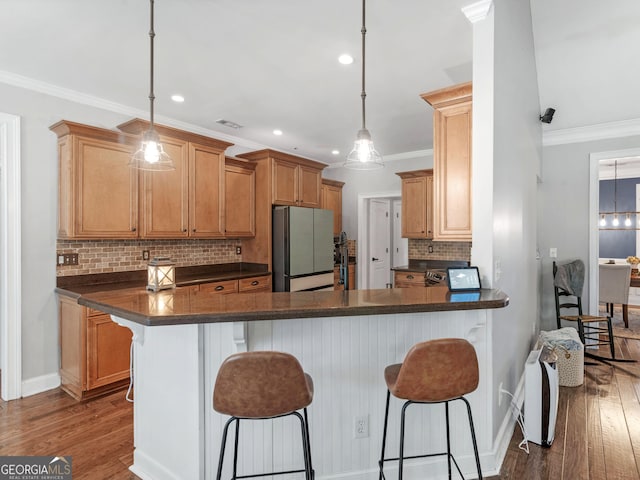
(343, 339)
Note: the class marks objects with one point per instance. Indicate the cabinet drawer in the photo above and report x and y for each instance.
(223, 287)
(409, 279)
(262, 283)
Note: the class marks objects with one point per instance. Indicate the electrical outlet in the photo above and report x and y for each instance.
(553, 252)
(238, 250)
(64, 259)
(500, 394)
(361, 426)
(145, 254)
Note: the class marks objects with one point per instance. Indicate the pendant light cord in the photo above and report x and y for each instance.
(615, 187)
(363, 95)
(152, 97)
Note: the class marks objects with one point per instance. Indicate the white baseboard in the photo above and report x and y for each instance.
(506, 428)
(40, 384)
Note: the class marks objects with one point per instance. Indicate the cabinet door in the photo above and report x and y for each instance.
(285, 183)
(106, 190)
(351, 269)
(309, 185)
(414, 207)
(452, 170)
(332, 200)
(240, 202)
(429, 199)
(206, 193)
(165, 200)
(108, 349)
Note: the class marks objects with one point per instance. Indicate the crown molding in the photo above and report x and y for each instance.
(477, 11)
(396, 157)
(77, 97)
(600, 131)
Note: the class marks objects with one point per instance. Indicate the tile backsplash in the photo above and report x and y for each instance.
(419, 250)
(107, 256)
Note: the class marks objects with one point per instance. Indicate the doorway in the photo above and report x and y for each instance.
(379, 220)
(595, 162)
(10, 255)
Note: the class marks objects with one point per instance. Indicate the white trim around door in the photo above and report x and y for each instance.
(594, 210)
(10, 255)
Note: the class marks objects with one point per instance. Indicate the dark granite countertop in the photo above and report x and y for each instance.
(183, 306)
(74, 286)
(422, 266)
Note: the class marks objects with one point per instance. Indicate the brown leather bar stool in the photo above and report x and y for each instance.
(436, 371)
(259, 386)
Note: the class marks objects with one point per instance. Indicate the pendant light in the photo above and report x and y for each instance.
(151, 155)
(364, 155)
(615, 221)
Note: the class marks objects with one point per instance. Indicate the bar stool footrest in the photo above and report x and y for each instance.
(380, 462)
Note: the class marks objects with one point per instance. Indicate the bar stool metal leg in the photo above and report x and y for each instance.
(473, 437)
(222, 447)
(384, 437)
(306, 424)
(446, 415)
(235, 450)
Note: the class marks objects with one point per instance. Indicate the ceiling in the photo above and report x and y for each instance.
(273, 64)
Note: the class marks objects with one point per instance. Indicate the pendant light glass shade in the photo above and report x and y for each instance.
(363, 156)
(151, 156)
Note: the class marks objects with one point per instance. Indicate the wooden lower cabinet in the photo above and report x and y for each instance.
(94, 351)
(256, 284)
(408, 279)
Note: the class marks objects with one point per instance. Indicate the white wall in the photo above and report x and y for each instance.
(39, 214)
(382, 181)
(505, 237)
(564, 210)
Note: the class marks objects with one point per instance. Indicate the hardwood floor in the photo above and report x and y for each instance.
(98, 434)
(597, 432)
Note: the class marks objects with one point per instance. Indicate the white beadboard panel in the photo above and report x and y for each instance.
(346, 357)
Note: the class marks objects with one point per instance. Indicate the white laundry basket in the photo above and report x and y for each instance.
(570, 351)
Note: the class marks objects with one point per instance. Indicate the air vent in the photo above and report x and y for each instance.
(228, 123)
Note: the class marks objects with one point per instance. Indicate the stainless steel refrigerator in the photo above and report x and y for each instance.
(302, 249)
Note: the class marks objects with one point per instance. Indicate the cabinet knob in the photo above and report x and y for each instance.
(409, 277)
(219, 288)
(255, 282)
(194, 229)
(133, 229)
(184, 230)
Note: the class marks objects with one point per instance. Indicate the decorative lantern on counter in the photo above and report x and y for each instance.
(161, 274)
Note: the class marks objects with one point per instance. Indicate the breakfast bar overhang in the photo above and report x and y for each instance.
(343, 339)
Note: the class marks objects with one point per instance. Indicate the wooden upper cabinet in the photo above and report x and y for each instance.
(331, 199)
(165, 198)
(417, 203)
(285, 183)
(452, 161)
(188, 201)
(240, 198)
(97, 190)
(206, 192)
(296, 182)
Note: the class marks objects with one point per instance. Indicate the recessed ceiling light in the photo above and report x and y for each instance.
(277, 132)
(335, 152)
(177, 98)
(345, 59)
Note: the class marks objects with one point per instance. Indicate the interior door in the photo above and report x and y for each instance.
(379, 243)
